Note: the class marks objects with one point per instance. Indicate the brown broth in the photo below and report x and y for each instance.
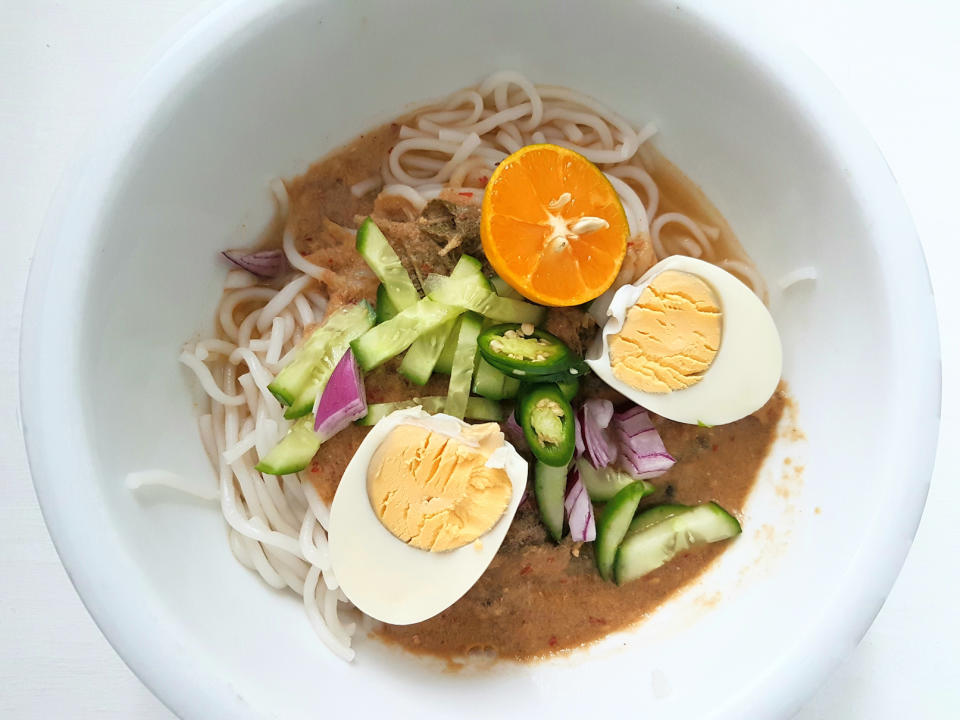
(536, 597)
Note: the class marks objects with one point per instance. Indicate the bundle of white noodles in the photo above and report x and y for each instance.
(278, 525)
(458, 144)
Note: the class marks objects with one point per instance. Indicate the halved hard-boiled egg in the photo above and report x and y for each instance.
(420, 512)
(690, 342)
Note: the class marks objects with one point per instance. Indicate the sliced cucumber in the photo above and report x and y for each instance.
(468, 288)
(418, 363)
(391, 338)
(569, 386)
(469, 272)
(648, 549)
(299, 382)
(614, 522)
(501, 288)
(477, 409)
(461, 371)
(385, 307)
(652, 516)
(487, 303)
(374, 248)
(606, 482)
(378, 411)
(294, 452)
(445, 361)
(549, 484)
(491, 383)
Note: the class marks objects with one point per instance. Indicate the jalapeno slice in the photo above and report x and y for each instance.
(528, 353)
(548, 425)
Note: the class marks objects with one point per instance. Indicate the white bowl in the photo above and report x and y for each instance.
(126, 271)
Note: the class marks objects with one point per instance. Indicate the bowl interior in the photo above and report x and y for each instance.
(259, 91)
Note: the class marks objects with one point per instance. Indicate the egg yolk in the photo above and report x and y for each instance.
(670, 336)
(435, 492)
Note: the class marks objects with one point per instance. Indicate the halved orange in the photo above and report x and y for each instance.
(552, 226)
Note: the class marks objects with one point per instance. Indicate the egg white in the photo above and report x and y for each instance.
(746, 369)
(383, 576)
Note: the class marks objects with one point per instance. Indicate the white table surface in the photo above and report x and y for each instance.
(61, 62)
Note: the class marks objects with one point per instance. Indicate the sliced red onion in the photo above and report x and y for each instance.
(514, 433)
(262, 263)
(343, 400)
(579, 509)
(591, 435)
(642, 452)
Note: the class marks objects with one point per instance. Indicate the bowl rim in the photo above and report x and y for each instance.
(200, 692)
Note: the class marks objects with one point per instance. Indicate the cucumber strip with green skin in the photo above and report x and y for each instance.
(549, 485)
(477, 409)
(501, 288)
(383, 260)
(461, 371)
(604, 483)
(307, 399)
(569, 386)
(614, 522)
(653, 547)
(385, 307)
(469, 271)
(294, 452)
(307, 374)
(391, 338)
(468, 288)
(484, 302)
(418, 363)
(651, 516)
(445, 361)
(491, 383)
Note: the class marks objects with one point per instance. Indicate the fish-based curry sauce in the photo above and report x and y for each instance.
(536, 597)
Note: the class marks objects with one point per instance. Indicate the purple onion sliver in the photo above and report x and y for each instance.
(647, 467)
(514, 433)
(593, 418)
(627, 414)
(600, 410)
(262, 263)
(636, 423)
(645, 443)
(580, 513)
(343, 399)
(642, 452)
(578, 433)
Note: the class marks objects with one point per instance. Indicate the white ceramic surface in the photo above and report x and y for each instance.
(125, 273)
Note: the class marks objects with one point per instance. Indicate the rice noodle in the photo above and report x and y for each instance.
(207, 382)
(407, 193)
(277, 527)
(749, 275)
(800, 274)
(171, 480)
(299, 262)
(673, 217)
(364, 186)
(280, 194)
(281, 300)
(230, 302)
(641, 176)
(238, 278)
